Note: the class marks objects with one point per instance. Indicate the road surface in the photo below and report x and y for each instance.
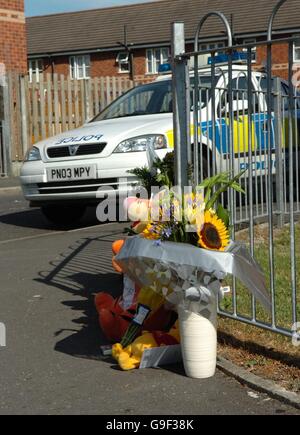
(52, 362)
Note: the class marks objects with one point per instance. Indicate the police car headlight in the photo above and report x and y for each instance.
(33, 155)
(141, 143)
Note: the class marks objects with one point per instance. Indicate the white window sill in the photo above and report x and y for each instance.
(82, 78)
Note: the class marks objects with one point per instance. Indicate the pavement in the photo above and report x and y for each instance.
(52, 362)
(9, 183)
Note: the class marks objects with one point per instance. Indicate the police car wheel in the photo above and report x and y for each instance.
(63, 215)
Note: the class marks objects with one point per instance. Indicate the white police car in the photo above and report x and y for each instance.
(63, 174)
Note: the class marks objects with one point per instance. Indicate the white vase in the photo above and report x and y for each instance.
(199, 339)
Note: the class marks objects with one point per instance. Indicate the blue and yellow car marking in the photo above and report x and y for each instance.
(260, 136)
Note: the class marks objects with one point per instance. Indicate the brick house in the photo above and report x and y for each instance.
(91, 43)
(13, 49)
(13, 61)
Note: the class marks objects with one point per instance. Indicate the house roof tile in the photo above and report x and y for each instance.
(149, 23)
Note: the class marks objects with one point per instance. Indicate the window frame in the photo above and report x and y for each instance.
(208, 47)
(75, 68)
(125, 61)
(153, 59)
(254, 49)
(295, 48)
(212, 46)
(36, 70)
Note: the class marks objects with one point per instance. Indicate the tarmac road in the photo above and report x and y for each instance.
(18, 220)
(52, 362)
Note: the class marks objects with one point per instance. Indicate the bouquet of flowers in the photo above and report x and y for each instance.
(182, 254)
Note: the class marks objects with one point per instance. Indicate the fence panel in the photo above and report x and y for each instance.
(55, 104)
(238, 119)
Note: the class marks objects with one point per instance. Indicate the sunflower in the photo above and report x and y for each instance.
(213, 235)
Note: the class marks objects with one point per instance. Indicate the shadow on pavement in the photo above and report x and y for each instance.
(34, 218)
(81, 273)
(27, 219)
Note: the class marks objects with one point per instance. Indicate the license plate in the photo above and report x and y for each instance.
(72, 173)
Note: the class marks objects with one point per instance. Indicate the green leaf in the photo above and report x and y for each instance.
(221, 183)
(223, 214)
(238, 188)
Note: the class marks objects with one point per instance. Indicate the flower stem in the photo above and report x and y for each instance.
(130, 335)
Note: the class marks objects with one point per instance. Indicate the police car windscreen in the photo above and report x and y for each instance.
(205, 89)
(153, 98)
(150, 99)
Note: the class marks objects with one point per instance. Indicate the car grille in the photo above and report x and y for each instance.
(79, 186)
(83, 150)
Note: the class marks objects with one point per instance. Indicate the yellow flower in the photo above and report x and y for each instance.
(194, 216)
(213, 235)
(194, 207)
(152, 232)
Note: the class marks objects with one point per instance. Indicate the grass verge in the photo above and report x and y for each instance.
(264, 353)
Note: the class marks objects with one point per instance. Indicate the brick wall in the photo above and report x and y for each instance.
(60, 65)
(280, 59)
(13, 50)
(15, 5)
(102, 65)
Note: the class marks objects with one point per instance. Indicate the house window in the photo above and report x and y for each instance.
(35, 68)
(212, 46)
(123, 62)
(155, 58)
(80, 67)
(297, 50)
(203, 58)
(254, 48)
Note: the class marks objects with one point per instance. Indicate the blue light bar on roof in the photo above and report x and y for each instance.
(237, 56)
(164, 68)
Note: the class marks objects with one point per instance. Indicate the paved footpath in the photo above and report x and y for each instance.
(52, 363)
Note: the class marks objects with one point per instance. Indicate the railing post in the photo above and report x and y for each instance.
(270, 175)
(278, 152)
(181, 106)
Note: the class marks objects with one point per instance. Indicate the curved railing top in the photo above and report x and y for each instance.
(225, 22)
(228, 27)
(272, 18)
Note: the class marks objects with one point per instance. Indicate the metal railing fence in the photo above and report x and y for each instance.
(231, 116)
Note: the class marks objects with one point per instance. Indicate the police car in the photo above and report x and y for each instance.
(63, 173)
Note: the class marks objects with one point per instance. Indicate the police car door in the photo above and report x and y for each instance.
(240, 132)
